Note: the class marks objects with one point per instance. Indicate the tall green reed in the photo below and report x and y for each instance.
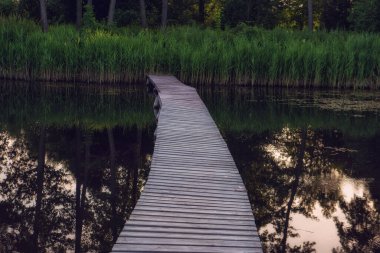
(244, 55)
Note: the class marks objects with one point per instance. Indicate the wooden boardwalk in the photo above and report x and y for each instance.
(194, 200)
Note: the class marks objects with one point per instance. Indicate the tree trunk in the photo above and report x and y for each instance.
(126, 202)
(137, 165)
(78, 216)
(113, 189)
(84, 187)
(86, 168)
(164, 17)
(79, 14)
(249, 8)
(40, 185)
(143, 14)
(201, 8)
(310, 14)
(298, 172)
(111, 12)
(43, 12)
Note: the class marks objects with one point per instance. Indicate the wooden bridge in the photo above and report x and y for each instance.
(194, 200)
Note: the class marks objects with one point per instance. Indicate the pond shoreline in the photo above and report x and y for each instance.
(242, 55)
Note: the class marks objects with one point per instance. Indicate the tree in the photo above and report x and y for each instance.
(113, 184)
(43, 12)
(164, 15)
(310, 14)
(111, 12)
(79, 10)
(30, 226)
(201, 9)
(360, 232)
(365, 15)
(334, 14)
(260, 12)
(143, 14)
(295, 184)
(40, 185)
(8, 7)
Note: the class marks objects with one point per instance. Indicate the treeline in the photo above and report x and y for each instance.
(361, 15)
(241, 55)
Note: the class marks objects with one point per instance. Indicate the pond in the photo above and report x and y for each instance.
(310, 162)
(97, 144)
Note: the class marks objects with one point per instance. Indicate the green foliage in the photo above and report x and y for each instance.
(8, 7)
(335, 14)
(263, 13)
(89, 20)
(327, 14)
(243, 55)
(365, 15)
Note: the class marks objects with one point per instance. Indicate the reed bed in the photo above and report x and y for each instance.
(243, 55)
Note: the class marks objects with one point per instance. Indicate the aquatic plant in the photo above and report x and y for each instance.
(243, 55)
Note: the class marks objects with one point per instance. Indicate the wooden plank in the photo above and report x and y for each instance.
(195, 178)
(193, 242)
(186, 236)
(211, 186)
(174, 248)
(192, 205)
(172, 224)
(221, 196)
(194, 199)
(194, 210)
(192, 221)
(227, 193)
(200, 231)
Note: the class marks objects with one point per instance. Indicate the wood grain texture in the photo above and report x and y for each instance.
(194, 200)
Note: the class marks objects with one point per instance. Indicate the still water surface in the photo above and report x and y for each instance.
(310, 162)
(72, 164)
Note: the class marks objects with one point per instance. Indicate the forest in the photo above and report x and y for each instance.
(360, 15)
(302, 43)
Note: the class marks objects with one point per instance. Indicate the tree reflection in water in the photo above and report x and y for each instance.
(332, 201)
(73, 161)
(306, 172)
(69, 188)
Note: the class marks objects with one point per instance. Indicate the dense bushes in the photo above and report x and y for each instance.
(243, 55)
(365, 15)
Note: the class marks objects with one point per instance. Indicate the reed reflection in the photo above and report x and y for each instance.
(310, 164)
(73, 161)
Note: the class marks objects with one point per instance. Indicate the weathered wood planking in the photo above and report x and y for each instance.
(194, 200)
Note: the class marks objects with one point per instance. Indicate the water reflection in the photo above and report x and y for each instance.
(70, 186)
(314, 187)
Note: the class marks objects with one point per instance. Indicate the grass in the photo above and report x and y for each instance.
(243, 55)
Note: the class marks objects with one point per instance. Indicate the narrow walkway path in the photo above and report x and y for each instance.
(194, 200)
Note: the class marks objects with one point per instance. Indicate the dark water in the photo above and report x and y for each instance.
(73, 162)
(310, 162)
